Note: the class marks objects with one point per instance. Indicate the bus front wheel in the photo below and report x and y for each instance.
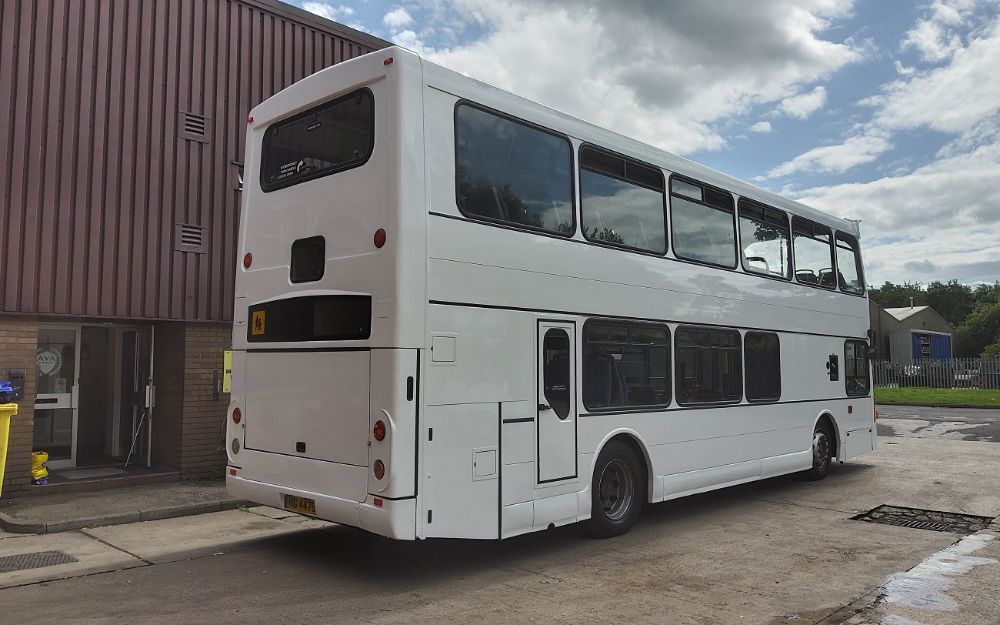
(822, 452)
(616, 491)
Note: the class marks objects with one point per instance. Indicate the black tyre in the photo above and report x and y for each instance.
(617, 491)
(822, 452)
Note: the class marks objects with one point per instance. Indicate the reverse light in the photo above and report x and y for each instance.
(379, 470)
(379, 430)
(379, 238)
(247, 260)
(237, 415)
(236, 446)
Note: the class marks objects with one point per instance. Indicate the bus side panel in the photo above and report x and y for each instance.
(459, 490)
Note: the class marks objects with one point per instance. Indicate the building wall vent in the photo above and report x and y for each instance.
(194, 127)
(189, 238)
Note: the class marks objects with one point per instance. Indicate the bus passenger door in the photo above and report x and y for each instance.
(556, 417)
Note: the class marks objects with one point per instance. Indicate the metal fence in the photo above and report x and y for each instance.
(950, 373)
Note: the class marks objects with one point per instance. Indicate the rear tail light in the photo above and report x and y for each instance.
(379, 470)
(237, 415)
(379, 430)
(247, 260)
(379, 238)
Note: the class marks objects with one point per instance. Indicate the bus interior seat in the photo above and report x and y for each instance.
(826, 278)
(602, 383)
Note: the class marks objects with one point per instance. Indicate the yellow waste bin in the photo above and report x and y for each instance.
(6, 412)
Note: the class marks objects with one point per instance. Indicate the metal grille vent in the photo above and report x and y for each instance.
(34, 560)
(189, 238)
(925, 519)
(194, 127)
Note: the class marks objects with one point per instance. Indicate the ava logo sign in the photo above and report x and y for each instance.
(49, 360)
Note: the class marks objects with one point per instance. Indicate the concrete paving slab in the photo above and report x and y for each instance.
(40, 514)
(92, 556)
(180, 538)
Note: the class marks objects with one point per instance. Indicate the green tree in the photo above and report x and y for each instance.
(891, 295)
(978, 334)
(952, 300)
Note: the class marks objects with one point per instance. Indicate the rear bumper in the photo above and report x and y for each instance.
(393, 519)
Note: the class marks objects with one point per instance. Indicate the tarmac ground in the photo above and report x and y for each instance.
(777, 551)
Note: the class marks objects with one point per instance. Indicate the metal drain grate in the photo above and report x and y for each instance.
(925, 519)
(34, 560)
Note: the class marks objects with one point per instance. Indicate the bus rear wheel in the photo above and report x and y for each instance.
(616, 490)
(822, 452)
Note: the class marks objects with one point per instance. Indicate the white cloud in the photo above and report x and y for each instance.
(803, 105)
(762, 127)
(938, 36)
(397, 19)
(854, 151)
(330, 12)
(663, 72)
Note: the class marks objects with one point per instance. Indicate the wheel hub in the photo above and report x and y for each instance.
(616, 490)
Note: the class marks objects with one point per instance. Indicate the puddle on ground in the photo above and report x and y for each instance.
(925, 585)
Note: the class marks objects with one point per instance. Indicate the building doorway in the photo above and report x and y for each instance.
(94, 401)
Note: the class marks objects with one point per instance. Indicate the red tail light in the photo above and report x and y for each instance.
(379, 470)
(379, 238)
(237, 415)
(379, 430)
(247, 260)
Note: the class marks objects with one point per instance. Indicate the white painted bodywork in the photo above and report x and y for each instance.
(459, 304)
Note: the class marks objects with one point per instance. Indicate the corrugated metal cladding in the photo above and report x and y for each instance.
(121, 135)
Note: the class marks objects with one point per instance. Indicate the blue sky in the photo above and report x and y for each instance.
(881, 110)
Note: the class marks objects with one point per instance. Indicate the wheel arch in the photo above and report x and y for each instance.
(638, 445)
(827, 417)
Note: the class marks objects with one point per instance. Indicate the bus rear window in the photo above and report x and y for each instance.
(326, 139)
(317, 318)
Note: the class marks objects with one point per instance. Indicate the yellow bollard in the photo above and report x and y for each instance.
(6, 412)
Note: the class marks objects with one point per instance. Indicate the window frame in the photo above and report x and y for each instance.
(796, 219)
(851, 240)
(764, 208)
(516, 120)
(663, 193)
(763, 400)
(863, 345)
(673, 232)
(668, 376)
(322, 173)
(739, 361)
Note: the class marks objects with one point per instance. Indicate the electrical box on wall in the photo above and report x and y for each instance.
(16, 377)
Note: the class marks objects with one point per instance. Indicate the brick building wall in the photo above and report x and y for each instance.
(203, 436)
(18, 349)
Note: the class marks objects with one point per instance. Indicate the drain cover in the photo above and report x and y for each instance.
(34, 560)
(925, 519)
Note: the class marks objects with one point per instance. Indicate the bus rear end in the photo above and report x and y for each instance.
(330, 298)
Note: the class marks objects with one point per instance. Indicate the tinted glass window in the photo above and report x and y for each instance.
(511, 172)
(308, 259)
(331, 137)
(319, 318)
(763, 366)
(625, 365)
(849, 265)
(765, 240)
(708, 366)
(856, 363)
(557, 371)
(702, 223)
(621, 201)
(813, 245)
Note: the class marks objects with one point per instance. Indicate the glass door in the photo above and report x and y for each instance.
(58, 375)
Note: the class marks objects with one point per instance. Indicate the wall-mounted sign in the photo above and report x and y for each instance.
(49, 360)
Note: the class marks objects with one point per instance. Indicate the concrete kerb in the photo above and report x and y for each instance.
(34, 526)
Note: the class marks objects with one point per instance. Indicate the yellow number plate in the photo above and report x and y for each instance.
(300, 505)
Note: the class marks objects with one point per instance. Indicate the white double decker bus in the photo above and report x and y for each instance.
(463, 314)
